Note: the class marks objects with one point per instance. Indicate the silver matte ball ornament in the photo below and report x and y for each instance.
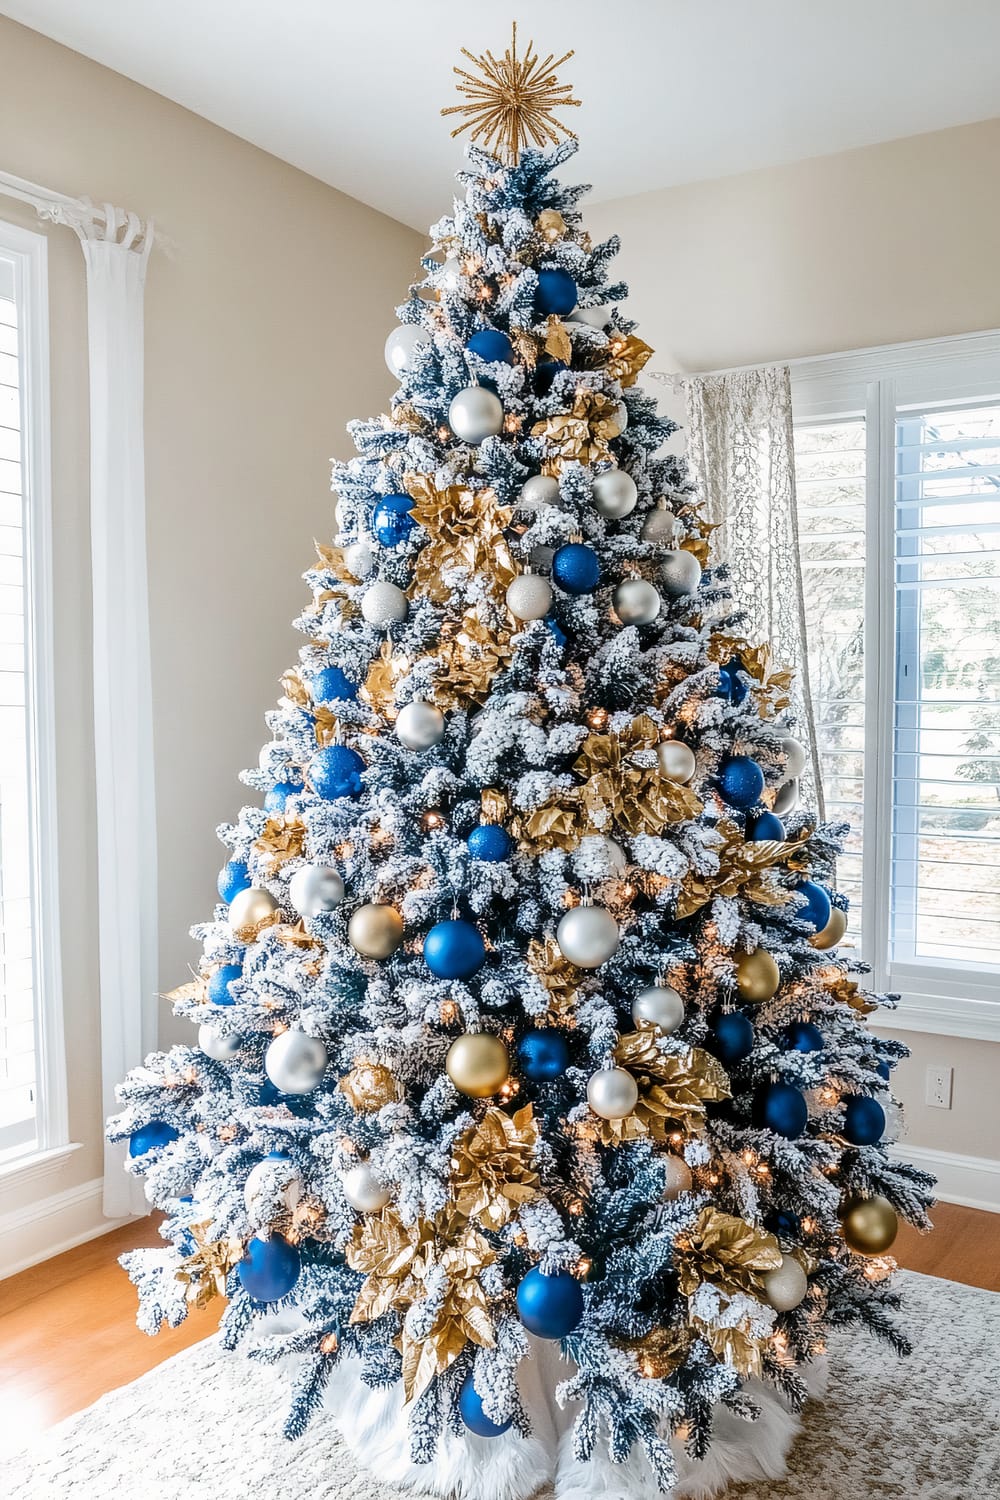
(359, 560)
(529, 597)
(587, 936)
(661, 1006)
(419, 725)
(786, 1285)
(214, 1045)
(680, 573)
(636, 602)
(614, 494)
(384, 604)
(612, 1093)
(401, 346)
(594, 317)
(315, 888)
(257, 1190)
(786, 798)
(449, 277)
(678, 1176)
(363, 1190)
(475, 414)
(658, 527)
(676, 761)
(795, 757)
(295, 1062)
(539, 490)
(249, 907)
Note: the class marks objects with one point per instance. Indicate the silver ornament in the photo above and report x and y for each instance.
(384, 604)
(402, 344)
(529, 597)
(363, 1190)
(661, 1006)
(419, 725)
(676, 760)
(678, 1178)
(539, 490)
(786, 798)
(658, 527)
(680, 573)
(295, 1062)
(449, 277)
(315, 888)
(636, 602)
(219, 1048)
(786, 1285)
(620, 416)
(594, 317)
(359, 560)
(588, 936)
(261, 1191)
(475, 414)
(249, 907)
(339, 514)
(612, 1093)
(614, 494)
(795, 757)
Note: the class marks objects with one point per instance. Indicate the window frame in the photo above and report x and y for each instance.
(944, 998)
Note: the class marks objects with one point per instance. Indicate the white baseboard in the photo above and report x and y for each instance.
(40, 1230)
(971, 1180)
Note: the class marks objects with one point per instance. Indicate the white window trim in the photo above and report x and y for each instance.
(957, 999)
(29, 252)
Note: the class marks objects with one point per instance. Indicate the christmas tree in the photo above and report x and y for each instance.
(523, 1010)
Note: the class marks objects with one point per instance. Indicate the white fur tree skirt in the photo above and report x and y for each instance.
(206, 1426)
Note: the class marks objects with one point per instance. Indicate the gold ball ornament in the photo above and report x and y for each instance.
(870, 1225)
(833, 932)
(375, 930)
(369, 1087)
(249, 907)
(757, 976)
(477, 1064)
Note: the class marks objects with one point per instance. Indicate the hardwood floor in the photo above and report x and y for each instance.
(68, 1334)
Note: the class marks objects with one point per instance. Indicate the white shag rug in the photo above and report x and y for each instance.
(206, 1426)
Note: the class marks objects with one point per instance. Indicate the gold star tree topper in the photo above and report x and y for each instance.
(511, 100)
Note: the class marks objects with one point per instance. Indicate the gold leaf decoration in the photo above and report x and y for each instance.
(582, 434)
(743, 867)
(727, 1252)
(636, 798)
(491, 1171)
(674, 1089)
(470, 658)
(551, 224)
(554, 971)
(772, 690)
(294, 688)
(659, 1352)
(628, 355)
(369, 1087)
(294, 935)
(204, 1273)
(465, 527)
(734, 1346)
(557, 341)
(282, 839)
(195, 989)
(379, 687)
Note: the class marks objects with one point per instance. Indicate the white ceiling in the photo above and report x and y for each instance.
(673, 90)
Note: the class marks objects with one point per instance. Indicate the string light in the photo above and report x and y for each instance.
(431, 820)
(583, 1267)
(575, 1206)
(449, 1012)
(598, 718)
(329, 1344)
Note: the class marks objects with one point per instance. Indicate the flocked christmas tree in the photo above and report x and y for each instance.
(523, 1009)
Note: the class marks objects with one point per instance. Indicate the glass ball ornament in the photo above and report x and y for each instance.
(555, 293)
(636, 602)
(492, 345)
(661, 1006)
(250, 907)
(766, 826)
(895, 1123)
(402, 345)
(329, 685)
(678, 1176)
(359, 560)
(543, 1055)
(782, 1108)
(676, 761)
(539, 490)
(233, 878)
(795, 757)
(478, 1064)
(475, 414)
(612, 1093)
(392, 520)
(384, 604)
(594, 317)
(363, 1190)
(295, 1062)
(335, 771)
(454, 949)
(815, 907)
(658, 526)
(786, 798)
(419, 725)
(614, 494)
(870, 1225)
(270, 1268)
(833, 933)
(150, 1137)
(741, 781)
(731, 686)
(489, 842)
(864, 1120)
(576, 568)
(587, 936)
(314, 889)
(258, 1190)
(216, 1046)
(786, 1285)
(375, 930)
(732, 1037)
(276, 797)
(680, 573)
(550, 1307)
(470, 1406)
(219, 991)
(757, 976)
(546, 371)
(529, 596)
(803, 1036)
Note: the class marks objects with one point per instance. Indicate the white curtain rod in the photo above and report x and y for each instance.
(79, 214)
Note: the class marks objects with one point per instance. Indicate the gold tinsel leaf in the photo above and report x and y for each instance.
(735, 1346)
(282, 839)
(674, 1088)
(727, 1252)
(582, 434)
(636, 798)
(527, 346)
(491, 1170)
(546, 960)
(557, 341)
(698, 546)
(294, 935)
(551, 224)
(628, 355)
(743, 870)
(369, 1087)
(204, 1273)
(326, 725)
(465, 528)
(379, 687)
(195, 989)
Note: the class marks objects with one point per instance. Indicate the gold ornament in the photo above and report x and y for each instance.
(673, 1089)
(206, 1270)
(375, 930)
(477, 1064)
(830, 935)
(556, 973)
(757, 976)
(379, 687)
(283, 839)
(660, 1352)
(512, 100)
(491, 1170)
(551, 225)
(870, 1225)
(250, 911)
(737, 1346)
(582, 434)
(557, 341)
(470, 657)
(727, 1252)
(196, 991)
(294, 688)
(465, 528)
(627, 357)
(369, 1087)
(842, 987)
(637, 799)
(743, 871)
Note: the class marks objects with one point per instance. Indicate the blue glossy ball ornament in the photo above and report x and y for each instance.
(150, 1137)
(270, 1268)
(391, 519)
(731, 685)
(471, 1407)
(489, 842)
(803, 1036)
(576, 568)
(556, 631)
(546, 371)
(329, 684)
(732, 1037)
(816, 910)
(492, 345)
(781, 1108)
(218, 985)
(233, 878)
(883, 1070)
(275, 799)
(543, 1055)
(556, 293)
(864, 1120)
(787, 1226)
(767, 826)
(741, 781)
(454, 949)
(549, 1306)
(335, 771)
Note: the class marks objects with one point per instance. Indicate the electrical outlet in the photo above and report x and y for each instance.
(938, 1087)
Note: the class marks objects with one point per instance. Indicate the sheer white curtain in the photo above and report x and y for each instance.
(740, 445)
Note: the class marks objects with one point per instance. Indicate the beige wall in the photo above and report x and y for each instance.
(890, 243)
(264, 327)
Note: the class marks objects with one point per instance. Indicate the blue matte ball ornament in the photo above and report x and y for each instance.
(270, 1268)
(150, 1137)
(817, 909)
(556, 293)
(883, 1070)
(546, 371)
(470, 1405)
(335, 771)
(864, 1120)
(549, 1306)
(218, 985)
(492, 345)
(543, 1055)
(741, 781)
(233, 878)
(329, 684)
(391, 519)
(787, 1226)
(732, 1037)
(454, 949)
(803, 1036)
(576, 569)
(489, 842)
(275, 799)
(781, 1108)
(767, 826)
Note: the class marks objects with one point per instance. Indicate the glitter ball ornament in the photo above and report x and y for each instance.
(314, 889)
(614, 494)
(676, 761)
(384, 604)
(731, 1038)
(870, 1225)
(786, 798)
(815, 907)
(375, 930)
(477, 1064)
(795, 757)
(741, 781)
(489, 842)
(294, 1062)
(588, 936)
(363, 1190)
(612, 1093)
(150, 1137)
(576, 568)
(329, 684)
(766, 826)
(392, 521)
(550, 1307)
(781, 1108)
(833, 933)
(539, 490)
(250, 907)
(269, 1269)
(678, 1176)
(402, 345)
(864, 1120)
(555, 293)
(492, 345)
(475, 414)
(470, 1405)
(658, 526)
(276, 798)
(419, 725)
(216, 1046)
(233, 878)
(529, 597)
(335, 771)
(359, 559)
(454, 949)
(680, 573)
(543, 1055)
(219, 991)
(636, 602)
(661, 1006)
(757, 976)
(786, 1285)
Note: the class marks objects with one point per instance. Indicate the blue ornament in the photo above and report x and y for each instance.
(150, 1137)
(275, 799)
(329, 684)
(391, 519)
(233, 878)
(454, 949)
(543, 1055)
(731, 685)
(556, 631)
(787, 1226)
(549, 1306)
(335, 771)
(781, 1108)
(803, 1036)
(883, 1070)
(864, 1120)
(218, 984)
(546, 371)
(816, 910)
(489, 842)
(492, 345)
(576, 569)
(471, 1406)
(732, 1037)
(767, 826)
(556, 293)
(270, 1268)
(741, 781)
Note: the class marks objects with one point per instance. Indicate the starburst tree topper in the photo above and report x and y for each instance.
(511, 100)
